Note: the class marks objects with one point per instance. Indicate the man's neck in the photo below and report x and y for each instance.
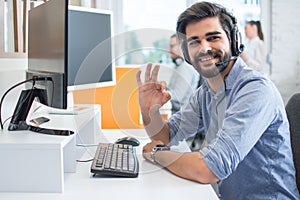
(215, 83)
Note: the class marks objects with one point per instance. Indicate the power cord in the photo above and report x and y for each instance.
(24, 100)
(33, 79)
(85, 146)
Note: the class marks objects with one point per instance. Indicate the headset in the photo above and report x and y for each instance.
(236, 45)
(235, 36)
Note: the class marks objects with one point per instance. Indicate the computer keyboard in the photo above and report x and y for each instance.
(115, 160)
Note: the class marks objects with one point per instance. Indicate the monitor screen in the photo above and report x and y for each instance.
(90, 54)
(73, 44)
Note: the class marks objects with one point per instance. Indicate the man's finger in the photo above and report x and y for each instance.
(148, 72)
(155, 73)
(138, 78)
(163, 85)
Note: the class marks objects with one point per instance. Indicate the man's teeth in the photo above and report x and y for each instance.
(206, 58)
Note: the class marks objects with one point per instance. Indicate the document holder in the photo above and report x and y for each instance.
(18, 120)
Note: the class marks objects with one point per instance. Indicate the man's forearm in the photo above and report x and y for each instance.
(190, 166)
(156, 127)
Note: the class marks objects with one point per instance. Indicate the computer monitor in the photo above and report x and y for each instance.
(73, 45)
(47, 49)
(90, 48)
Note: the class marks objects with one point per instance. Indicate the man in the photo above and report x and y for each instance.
(182, 73)
(248, 150)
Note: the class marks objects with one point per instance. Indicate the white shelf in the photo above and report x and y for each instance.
(34, 162)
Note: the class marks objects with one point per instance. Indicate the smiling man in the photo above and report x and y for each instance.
(247, 149)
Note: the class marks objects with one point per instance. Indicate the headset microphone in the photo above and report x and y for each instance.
(222, 65)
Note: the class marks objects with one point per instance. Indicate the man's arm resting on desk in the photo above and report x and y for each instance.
(189, 165)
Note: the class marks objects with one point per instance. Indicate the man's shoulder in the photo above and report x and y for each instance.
(241, 74)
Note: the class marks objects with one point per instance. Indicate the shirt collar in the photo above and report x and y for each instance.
(234, 73)
(232, 76)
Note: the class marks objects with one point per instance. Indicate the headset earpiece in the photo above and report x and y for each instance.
(236, 46)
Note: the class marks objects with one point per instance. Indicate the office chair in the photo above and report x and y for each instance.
(293, 114)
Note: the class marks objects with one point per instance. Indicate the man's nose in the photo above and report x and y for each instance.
(204, 47)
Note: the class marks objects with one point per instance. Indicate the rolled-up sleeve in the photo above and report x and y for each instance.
(249, 113)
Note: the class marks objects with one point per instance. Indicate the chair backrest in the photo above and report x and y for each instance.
(293, 114)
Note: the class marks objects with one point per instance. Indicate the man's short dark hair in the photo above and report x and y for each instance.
(203, 10)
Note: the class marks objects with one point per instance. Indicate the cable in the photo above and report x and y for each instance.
(14, 86)
(85, 146)
(7, 120)
(23, 106)
(33, 79)
(21, 103)
(52, 96)
(89, 160)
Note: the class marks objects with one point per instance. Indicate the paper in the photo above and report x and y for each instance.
(39, 110)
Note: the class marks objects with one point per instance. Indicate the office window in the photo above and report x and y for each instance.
(160, 17)
(12, 32)
(133, 17)
(252, 2)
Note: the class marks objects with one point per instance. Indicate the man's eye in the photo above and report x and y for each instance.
(193, 42)
(212, 38)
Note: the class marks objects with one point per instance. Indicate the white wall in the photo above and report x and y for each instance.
(285, 48)
(12, 71)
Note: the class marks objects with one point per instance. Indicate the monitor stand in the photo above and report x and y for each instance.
(18, 120)
(72, 109)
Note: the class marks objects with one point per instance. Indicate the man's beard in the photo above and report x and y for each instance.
(214, 69)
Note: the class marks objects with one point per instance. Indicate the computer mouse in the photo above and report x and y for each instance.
(128, 140)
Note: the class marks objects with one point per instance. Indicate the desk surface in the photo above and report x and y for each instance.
(152, 182)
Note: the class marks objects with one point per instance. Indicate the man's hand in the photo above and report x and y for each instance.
(152, 94)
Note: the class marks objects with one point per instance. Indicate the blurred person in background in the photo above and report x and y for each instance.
(184, 79)
(255, 54)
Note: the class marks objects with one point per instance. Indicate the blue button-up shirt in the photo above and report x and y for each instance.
(247, 133)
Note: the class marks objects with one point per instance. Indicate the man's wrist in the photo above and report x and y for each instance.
(158, 147)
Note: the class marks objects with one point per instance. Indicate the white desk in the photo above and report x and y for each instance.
(152, 182)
